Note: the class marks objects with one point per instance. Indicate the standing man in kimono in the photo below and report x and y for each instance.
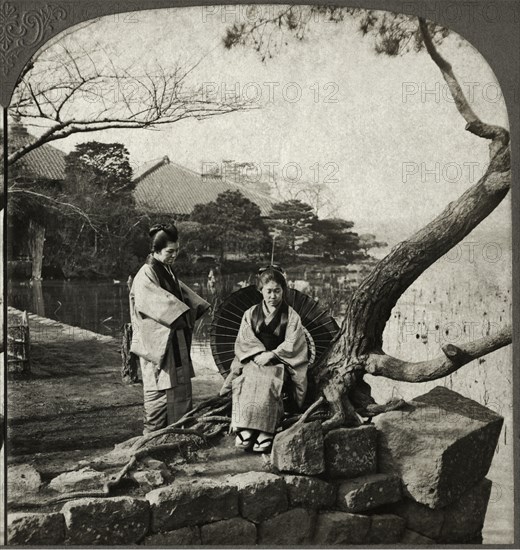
(163, 311)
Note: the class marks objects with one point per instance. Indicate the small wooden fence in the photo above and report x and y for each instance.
(18, 348)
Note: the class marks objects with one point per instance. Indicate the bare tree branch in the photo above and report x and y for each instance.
(51, 42)
(74, 90)
(474, 124)
(358, 347)
(199, 110)
(454, 358)
(375, 298)
(56, 203)
(373, 301)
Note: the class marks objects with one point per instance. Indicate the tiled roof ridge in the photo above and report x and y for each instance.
(239, 185)
(175, 188)
(45, 161)
(161, 161)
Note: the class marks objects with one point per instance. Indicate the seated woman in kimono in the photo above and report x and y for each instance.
(163, 311)
(270, 348)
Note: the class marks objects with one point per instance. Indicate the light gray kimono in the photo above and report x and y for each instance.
(257, 390)
(153, 311)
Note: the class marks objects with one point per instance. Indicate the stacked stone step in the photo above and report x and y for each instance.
(416, 476)
(347, 459)
(245, 509)
(289, 507)
(261, 508)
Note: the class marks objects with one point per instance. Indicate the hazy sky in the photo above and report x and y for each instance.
(383, 129)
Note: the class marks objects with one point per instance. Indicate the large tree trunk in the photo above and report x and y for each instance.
(36, 244)
(37, 298)
(358, 348)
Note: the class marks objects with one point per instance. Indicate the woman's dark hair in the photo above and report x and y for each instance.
(161, 235)
(272, 273)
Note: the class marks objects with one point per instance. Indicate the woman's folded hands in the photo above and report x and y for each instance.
(264, 358)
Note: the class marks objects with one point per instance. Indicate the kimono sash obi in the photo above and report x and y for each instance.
(271, 334)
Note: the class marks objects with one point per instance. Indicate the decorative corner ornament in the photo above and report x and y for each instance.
(21, 30)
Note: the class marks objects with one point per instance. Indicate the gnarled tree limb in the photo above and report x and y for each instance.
(425, 371)
(358, 348)
(375, 298)
(372, 303)
(474, 124)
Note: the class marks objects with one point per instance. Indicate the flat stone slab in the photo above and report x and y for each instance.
(187, 536)
(351, 452)
(222, 459)
(108, 521)
(149, 479)
(367, 492)
(35, 529)
(191, 502)
(310, 492)
(457, 523)
(386, 529)
(299, 450)
(340, 528)
(85, 479)
(234, 531)
(411, 538)
(260, 495)
(440, 445)
(22, 479)
(288, 528)
(152, 473)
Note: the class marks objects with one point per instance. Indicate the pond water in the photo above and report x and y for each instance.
(103, 307)
(450, 303)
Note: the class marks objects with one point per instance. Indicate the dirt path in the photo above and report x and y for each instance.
(74, 399)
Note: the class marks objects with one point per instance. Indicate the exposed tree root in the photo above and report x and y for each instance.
(203, 428)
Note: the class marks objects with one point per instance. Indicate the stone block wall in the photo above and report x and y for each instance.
(356, 486)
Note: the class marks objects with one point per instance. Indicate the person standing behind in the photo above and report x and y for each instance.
(163, 313)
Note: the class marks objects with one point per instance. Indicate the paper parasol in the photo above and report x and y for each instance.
(320, 327)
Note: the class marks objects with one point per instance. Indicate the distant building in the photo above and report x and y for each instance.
(163, 187)
(44, 165)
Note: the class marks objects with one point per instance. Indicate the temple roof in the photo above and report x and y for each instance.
(165, 187)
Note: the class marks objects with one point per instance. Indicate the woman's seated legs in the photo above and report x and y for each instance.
(257, 400)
